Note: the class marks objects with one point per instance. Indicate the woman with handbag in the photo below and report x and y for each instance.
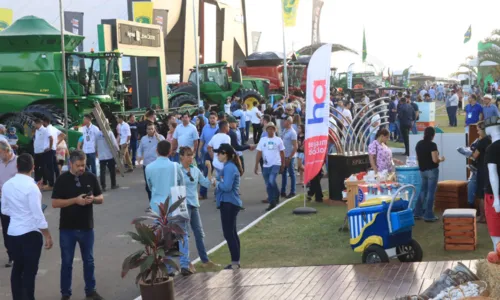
(192, 178)
(380, 154)
(228, 200)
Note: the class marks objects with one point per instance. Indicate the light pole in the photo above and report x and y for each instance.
(63, 65)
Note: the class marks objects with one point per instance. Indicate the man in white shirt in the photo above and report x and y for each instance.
(22, 202)
(272, 150)
(57, 137)
(220, 138)
(90, 134)
(43, 155)
(106, 159)
(255, 116)
(124, 137)
(8, 170)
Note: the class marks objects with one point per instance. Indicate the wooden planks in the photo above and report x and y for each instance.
(460, 233)
(352, 282)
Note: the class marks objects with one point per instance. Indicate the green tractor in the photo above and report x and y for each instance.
(31, 78)
(217, 82)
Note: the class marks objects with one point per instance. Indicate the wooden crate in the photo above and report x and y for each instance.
(451, 194)
(460, 233)
(352, 191)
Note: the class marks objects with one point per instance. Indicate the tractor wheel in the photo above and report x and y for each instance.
(54, 113)
(249, 96)
(184, 100)
(25, 127)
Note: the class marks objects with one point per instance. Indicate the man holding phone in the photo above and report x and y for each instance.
(75, 192)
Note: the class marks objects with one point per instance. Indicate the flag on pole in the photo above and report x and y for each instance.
(365, 53)
(143, 12)
(483, 46)
(468, 34)
(6, 16)
(290, 12)
(317, 111)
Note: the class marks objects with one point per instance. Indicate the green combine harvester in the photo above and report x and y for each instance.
(31, 79)
(217, 82)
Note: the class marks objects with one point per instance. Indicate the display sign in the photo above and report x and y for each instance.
(138, 36)
(316, 15)
(73, 22)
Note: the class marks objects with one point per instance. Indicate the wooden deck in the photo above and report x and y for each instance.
(384, 281)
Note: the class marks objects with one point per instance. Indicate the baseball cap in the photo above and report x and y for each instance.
(225, 148)
(232, 119)
(488, 96)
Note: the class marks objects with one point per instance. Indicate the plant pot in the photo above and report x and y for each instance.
(158, 291)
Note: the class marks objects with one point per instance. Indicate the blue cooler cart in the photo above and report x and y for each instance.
(382, 224)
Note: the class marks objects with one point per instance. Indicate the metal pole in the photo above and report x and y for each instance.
(137, 83)
(285, 66)
(197, 57)
(63, 65)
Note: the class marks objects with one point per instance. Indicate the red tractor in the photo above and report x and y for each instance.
(269, 65)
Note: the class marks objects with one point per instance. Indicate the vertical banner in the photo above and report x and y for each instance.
(160, 17)
(255, 40)
(349, 77)
(317, 111)
(290, 12)
(6, 16)
(73, 22)
(143, 12)
(316, 15)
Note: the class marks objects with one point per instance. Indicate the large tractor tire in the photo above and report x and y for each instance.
(184, 100)
(249, 96)
(25, 127)
(54, 113)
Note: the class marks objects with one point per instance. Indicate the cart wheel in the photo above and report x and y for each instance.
(411, 252)
(375, 254)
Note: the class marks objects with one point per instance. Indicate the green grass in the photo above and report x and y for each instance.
(284, 239)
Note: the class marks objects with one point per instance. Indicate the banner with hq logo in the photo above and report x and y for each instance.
(143, 12)
(6, 16)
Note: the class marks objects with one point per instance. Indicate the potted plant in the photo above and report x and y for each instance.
(159, 235)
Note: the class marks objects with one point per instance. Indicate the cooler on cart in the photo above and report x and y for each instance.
(384, 223)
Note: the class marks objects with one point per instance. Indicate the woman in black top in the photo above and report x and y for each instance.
(301, 136)
(428, 162)
(476, 180)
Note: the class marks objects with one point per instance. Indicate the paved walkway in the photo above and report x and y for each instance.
(346, 282)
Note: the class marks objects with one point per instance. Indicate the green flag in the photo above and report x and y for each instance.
(364, 46)
(468, 34)
(483, 46)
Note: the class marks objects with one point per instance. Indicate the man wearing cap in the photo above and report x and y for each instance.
(239, 114)
(218, 139)
(236, 139)
(272, 150)
(489, 110)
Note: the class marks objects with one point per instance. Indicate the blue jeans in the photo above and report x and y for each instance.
(425, 202)
(67, 240)
(204, 190)
(270, 174)
(133, 149)
(91, 165)
(471, 188)
(228, 215)
(244, 138)
(197, 228)
(452, 115)
(247, 130)
(183, 248)
(414, 128)
(290, 170)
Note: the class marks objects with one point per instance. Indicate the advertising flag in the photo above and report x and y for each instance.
(6, 16)
(143, 12)
(349, 77)
(316, 15)
(290, 12)
(317, 111)
(255, 40)
(468, 34)
(73, 22)
(160, 17)
(365, 53)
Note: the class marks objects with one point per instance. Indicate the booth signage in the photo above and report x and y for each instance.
(139, 36)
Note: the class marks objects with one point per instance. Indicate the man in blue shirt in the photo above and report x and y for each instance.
(207, 133)
(185, 135)
(489, 110)
(147, 150)
(201, 114)
(473, 111)
(240, 115)
(160, 176)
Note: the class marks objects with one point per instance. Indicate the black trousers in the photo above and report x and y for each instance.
(228, 214)
(147, 187)
(44, 167)
(315, 188)
(405, 132)
(6, 238)
(257, 132)
(55, 167)
(110, 163)
(26, 250)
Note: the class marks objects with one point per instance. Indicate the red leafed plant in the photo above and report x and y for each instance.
(159, 237)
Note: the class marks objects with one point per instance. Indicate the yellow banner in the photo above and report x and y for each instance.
(290, 12)
(6, 16)
(143, 12)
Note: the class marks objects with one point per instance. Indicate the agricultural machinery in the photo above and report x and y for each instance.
(217, 82)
